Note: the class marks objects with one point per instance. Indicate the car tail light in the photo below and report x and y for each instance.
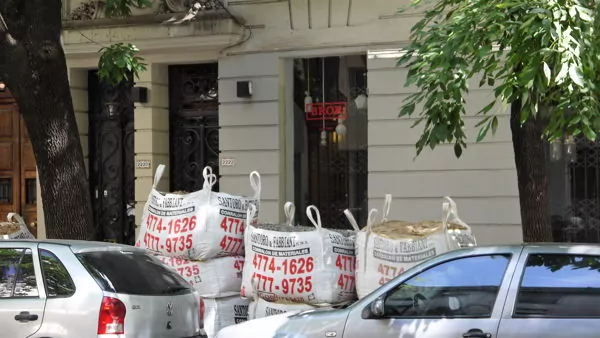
(201, 313)
(112, 316)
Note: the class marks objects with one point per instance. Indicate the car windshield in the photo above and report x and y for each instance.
(132, 273)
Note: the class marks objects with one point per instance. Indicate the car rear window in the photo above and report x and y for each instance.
(132, 273)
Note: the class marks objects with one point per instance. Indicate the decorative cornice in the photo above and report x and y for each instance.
(90, 10)
(138, 20)
(150, 46)
(95, 9)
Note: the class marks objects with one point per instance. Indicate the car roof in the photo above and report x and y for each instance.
(80, 246)
(552, 245)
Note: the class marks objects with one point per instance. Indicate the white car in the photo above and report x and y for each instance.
(81, 289)
(547, 290)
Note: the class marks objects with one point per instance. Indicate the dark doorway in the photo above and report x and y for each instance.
(330, 138)
(194, 124)
(111, 160)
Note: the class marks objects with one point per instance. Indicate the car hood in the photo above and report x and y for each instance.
(256, 328)
(296, 324)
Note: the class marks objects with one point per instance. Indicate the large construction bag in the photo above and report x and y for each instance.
(223, 312)
(199, 225)
(310, 265)
(261, 308)
(214, 278)
(385, 249)
(14, 228)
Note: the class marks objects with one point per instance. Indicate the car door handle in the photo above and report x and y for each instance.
(476, 333)
(25, 317)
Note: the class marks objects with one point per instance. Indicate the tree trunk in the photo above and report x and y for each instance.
(33, 66)
(530, 160)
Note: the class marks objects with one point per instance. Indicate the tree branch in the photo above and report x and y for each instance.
(4, 36)
(15, 17)
(3, 26)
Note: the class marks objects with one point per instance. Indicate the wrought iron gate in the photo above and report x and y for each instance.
(574, 190)
(194, 124)
(111, 155)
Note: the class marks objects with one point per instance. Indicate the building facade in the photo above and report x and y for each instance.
(231, 89)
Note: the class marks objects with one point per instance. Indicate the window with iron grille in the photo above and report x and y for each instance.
(30, 191)
(574, 190)
(5, 191)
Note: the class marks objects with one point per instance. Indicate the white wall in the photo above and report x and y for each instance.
(249, 128)
(482, 182)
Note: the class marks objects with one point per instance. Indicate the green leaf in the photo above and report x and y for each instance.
(457, 150)
(494, 125)
(562, 74)
(584, 14)
(487, 108)
(505, 5)
(597, 123)
(407, 110)
(440, 131)
(589, 133)
(482, 132)
(575, 76)
(547, 72)
(482, 122)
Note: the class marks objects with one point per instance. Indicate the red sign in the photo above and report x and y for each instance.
(326, 111)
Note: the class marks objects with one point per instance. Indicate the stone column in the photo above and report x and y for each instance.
(151, 134)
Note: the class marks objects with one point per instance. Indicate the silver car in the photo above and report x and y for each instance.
(60, 289)
(545, 290)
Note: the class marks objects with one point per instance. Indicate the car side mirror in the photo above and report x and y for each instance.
(375, 310)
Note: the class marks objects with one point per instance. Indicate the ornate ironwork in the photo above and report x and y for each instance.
(574, 186)
(6, 190)
(112, 159)
(90, 10)
(194, 124)
(180, 6)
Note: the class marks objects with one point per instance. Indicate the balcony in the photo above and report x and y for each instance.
(170, 24)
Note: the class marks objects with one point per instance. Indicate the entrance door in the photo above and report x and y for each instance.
(111, 154)
(18, 187)
(330, 138)
(194, 124)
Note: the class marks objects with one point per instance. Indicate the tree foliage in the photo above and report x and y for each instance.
(122, 8)
(33, 66)
(541, 54)
(119, 62)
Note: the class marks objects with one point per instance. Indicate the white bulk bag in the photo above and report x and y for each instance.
(248, 291)
(364, 285)
(200, 225)
(14, 228)
(223, 312)
(261, 308)
(300, 264)
(459, 232)
(214, 278)
(386, 249)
